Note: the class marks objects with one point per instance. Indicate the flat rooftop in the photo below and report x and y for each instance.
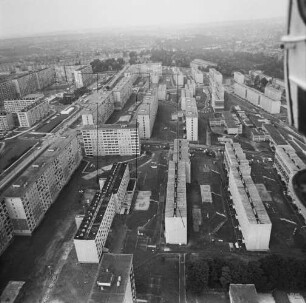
(110, 126)
(275, 134)
(21, 185)
(117, 265)
(176, 205)
(242, 293)
(96, 210)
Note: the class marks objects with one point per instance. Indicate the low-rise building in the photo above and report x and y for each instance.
(93, 231)
(115, 282)
(146, 114)
(258, 136)
(6, 121)
(251, 213)
(112, 139)
(33, 192)
(6, 227)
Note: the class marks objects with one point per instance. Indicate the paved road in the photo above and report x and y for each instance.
(182, 278)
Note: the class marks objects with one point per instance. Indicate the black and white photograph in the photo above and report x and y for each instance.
(153, 151)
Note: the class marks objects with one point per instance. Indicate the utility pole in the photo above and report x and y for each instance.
(97, 146)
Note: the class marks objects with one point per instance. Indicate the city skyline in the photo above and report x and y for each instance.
(32, 17)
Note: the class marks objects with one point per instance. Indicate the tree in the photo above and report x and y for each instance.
(197, 276)
(226, 277)
(263, 82)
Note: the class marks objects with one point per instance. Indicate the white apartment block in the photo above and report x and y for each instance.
(185, 93)
(197, 76)
(257, 98)
(83, 76)
(112, 139)
(6, 121)
(33, 192)
(181, 153)
(115, 276)
(33, 113)
(273, 93)
(146, 114)
(45, 77)
(191, 114)
(104, 102)
(6, 227)
(8, 91)
(287, 164)
(65, 73)
(162, 92)
(150, 68)
(239, 77)
(252, 216)
(93, 231)
(123, 90)
(176, 204)
(196, 63)
(14, 106)
(217, 89)
(155, 78)
(26, 84)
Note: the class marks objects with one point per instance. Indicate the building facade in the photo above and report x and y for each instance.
(45, 77)
(93, 231)
(6, 227)
(26, 84)
(33, 113)
(8, 91)
(112, 139)
(116, 276)
(6, 121)
(239, 77)
(99, 108)
(191, 114)
(251, 213)
(83, 76)
(287, 164)
(146, 114)
(14, 106)
(33, 192)
(176, 205)
(216, 89)
(123, 90)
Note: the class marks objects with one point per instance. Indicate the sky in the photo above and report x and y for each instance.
(30, 17)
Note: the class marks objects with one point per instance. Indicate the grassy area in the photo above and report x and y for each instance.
(48, 126)
(13, 150)
(158, 279)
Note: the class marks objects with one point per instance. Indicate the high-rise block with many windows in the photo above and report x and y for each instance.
(33, 192)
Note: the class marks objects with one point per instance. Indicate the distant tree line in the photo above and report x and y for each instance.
(268, 273)
(99, 66)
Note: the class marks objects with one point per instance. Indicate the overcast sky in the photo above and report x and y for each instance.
(26, 17)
